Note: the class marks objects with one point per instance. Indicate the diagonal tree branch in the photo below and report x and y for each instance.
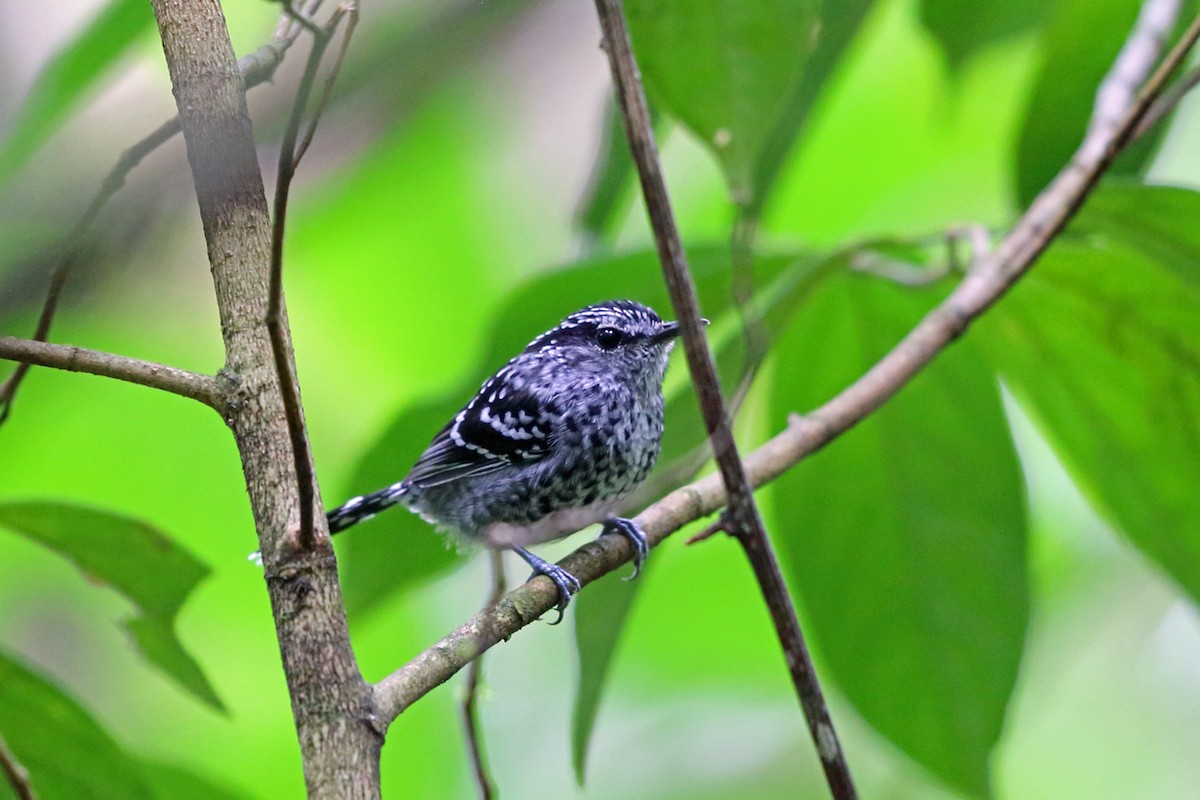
(804, 435)
(742, 519)
(204, 388)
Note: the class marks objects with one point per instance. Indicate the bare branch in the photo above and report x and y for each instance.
(803, 435)
(1167, 101)
(742, 519)
(204, 388)
(16, 775)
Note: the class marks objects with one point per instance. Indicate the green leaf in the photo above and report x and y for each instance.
(963, 28)
(1100, 345)
(905, 537)
(725, 69)
(1080, 43)
(135, 559)
(71, 76)
(598, 626)
(67, 754)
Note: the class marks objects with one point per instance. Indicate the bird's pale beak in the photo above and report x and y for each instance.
(670, 330)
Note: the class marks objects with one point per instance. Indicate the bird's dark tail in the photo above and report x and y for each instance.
(362, 508)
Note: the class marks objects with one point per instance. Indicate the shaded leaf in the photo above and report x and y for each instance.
(906, 536)
(963, 28)
(725, 68)
(1100, 345)
(71, 76)
(1080, 43)
(68, 755)
(133, 558)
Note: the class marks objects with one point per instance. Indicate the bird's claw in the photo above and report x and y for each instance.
(629, 529)
(567, 583)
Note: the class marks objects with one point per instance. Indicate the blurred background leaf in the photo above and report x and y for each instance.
(71, 76)
(961, 29)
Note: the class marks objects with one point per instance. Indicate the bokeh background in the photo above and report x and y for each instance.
(446, 176)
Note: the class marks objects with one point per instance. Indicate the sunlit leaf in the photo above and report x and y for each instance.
(1080, 42)
(725, 68)
(67, 754)
(905, 537)
(133, 558)
(71, 76)
(962, 28)
(1100, 345)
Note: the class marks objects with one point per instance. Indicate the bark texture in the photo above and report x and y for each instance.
(332, 705)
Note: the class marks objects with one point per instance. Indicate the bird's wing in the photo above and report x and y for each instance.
(500, 427)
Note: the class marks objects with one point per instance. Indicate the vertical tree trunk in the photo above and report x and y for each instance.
(332, 705)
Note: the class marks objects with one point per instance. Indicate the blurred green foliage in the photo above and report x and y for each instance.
(980, 628)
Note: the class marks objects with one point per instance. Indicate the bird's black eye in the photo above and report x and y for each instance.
(608, 338)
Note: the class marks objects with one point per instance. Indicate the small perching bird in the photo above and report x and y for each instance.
(552, 443)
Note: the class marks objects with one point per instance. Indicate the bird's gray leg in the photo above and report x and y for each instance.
(629, 529)
(567, 583)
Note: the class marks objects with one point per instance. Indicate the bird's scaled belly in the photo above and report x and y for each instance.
(554, 525)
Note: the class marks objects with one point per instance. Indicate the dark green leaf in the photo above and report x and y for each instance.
(1100, 344)
(135, 559)
(1080, 43)
(906, 536)
(71, 76)
(67, 754)
(725, 68)
(962, 28)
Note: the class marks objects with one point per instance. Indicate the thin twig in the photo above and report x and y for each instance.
(350, 9)
(1167, 101)
(276, 324)
(16, 774)
(742, 519)
(204, 388)
(804, 435)
(256, 68)
(487, 787)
